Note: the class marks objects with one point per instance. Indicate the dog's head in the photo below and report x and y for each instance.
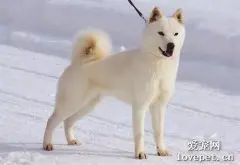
(164, 36)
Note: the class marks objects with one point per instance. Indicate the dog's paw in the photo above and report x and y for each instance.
(48, 147)
(163, 153)
(73, 142)
(141, 155)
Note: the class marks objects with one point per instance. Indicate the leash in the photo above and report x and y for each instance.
(139, 13)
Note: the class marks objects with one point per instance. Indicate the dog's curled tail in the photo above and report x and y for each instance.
(90, 46)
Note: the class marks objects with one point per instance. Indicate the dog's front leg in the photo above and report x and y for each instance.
(138, 117)
(157, 111)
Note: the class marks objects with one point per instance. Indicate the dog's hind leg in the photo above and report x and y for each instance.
(69, 122)
(63, 110)
(52, 123)
(59, 115)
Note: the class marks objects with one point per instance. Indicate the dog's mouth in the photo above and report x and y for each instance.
(167, 53)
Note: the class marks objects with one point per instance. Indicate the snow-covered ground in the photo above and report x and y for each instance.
(27, 89)
(203, 106)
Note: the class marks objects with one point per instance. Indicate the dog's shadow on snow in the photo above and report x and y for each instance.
(6, 148)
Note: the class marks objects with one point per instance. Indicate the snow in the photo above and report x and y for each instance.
(35, 45)
(122, 48)
(27, 89)
(224, 12)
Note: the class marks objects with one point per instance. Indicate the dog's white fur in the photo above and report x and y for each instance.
(142, 77)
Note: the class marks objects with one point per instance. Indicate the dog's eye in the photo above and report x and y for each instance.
(175, 34)
(161, 33)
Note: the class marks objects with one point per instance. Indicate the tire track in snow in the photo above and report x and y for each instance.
(187, 108)
(28, 71)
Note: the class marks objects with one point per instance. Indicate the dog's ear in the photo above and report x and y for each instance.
(179, 16)
(155, 15)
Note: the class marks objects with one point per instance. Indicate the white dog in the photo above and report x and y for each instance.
(143, 77)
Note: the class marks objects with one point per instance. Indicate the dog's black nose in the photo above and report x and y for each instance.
(170, 46)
